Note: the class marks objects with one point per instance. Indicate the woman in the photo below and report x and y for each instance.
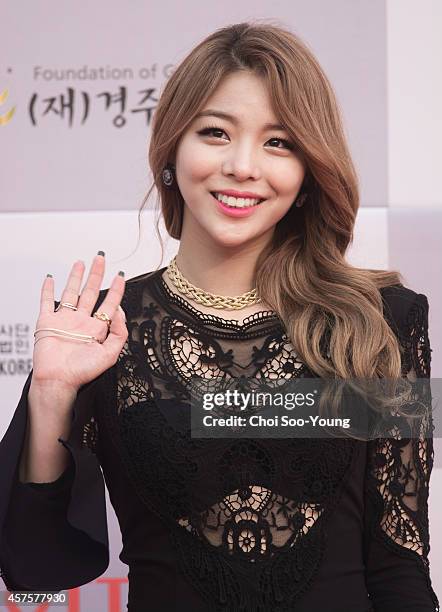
(255, 180)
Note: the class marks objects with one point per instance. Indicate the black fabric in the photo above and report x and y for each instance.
(222, 525)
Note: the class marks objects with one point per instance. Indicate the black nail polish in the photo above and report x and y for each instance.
(121, 273)
(100, 253)
(49, 276)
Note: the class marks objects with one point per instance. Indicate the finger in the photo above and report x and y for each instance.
(114, 295)
(73, 284)
(47, 296)
(91, 290)
(118, 334)
(122, 312)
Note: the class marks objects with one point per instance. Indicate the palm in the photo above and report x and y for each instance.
(71, 362)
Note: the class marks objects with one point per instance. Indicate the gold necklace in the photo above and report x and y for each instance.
(206, 298)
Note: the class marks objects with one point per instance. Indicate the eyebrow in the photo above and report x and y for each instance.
(222, 115)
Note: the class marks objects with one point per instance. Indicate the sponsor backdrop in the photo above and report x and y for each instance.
(78, 89)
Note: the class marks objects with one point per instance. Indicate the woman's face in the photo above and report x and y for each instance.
(239, 153)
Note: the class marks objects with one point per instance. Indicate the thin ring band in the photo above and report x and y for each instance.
(62, 332)
(93, 339)
(67, 304)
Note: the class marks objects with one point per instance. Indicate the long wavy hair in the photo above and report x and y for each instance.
(303, 274)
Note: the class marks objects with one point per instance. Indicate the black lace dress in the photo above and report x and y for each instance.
(222, 525)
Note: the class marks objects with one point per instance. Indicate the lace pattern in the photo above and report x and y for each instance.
(247, 517)
(399, 466)
(90, 435)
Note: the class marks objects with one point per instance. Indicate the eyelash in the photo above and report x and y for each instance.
(205, 132)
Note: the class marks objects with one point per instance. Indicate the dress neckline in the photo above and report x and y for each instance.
(180, 306)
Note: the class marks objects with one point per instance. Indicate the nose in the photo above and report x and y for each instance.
(241, 163)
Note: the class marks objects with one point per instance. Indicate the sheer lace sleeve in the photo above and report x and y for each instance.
(53, 535)
(397, 480)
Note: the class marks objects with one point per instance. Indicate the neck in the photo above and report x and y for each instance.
(222, 271)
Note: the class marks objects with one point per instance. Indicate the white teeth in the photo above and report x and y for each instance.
(236, 202)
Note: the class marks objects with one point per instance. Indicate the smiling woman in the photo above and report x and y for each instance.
(256, 182)
(242, 155)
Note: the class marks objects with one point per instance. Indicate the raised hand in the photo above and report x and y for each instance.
(67, 363)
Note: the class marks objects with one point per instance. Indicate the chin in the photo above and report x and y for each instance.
(232, 242)
(228, 243)
(224, 236)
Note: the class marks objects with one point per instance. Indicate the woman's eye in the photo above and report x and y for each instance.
(210, 131)
(288, 144)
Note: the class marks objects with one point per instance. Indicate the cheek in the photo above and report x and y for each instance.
(194, 161)
(277, 212)
(287, 181)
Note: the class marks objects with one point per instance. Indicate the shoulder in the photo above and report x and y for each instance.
(136, 286)
(403, 306)
(145, 277)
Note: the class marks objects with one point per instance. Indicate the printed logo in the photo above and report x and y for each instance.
(6, 118)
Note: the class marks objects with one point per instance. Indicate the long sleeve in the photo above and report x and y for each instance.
(53, 536)
(397, 481)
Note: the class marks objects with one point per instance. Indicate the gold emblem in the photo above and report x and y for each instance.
(6, 118)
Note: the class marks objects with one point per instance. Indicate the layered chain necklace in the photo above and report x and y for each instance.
(206, 298)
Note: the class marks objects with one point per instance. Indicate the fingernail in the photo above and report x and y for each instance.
(100, 253)
(49, 276)
(121, 273)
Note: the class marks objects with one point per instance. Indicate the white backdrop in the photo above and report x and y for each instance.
(74, 163)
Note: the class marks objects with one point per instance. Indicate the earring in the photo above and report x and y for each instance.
(300, 200)
(168, 176)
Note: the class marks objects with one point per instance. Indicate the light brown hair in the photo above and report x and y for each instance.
(303, 275)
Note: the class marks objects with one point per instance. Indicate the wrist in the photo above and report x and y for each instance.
(41, 392)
